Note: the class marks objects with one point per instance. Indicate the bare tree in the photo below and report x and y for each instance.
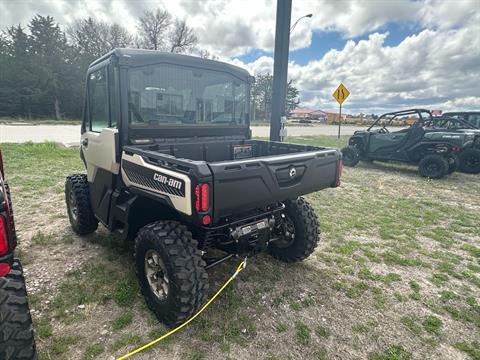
(95, 38)
(182, 37)
(205, 54)
(119, 37)
(152, 25)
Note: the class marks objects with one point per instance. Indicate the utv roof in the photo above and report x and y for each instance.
(140, 57)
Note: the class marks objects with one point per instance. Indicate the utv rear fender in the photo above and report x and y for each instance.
(132, 211)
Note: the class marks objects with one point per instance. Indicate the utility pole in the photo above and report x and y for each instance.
(280, 66)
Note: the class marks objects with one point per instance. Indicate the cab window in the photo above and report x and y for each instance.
(113, 95)
(98, 100)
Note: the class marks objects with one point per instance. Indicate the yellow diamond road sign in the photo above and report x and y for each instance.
(341, 94)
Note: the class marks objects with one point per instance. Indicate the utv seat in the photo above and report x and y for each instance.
(416, 134)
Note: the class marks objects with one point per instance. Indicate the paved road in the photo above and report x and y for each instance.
(70, 134)
(332, 130)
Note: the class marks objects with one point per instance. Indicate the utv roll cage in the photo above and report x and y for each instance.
(389, 117)
(442, 122)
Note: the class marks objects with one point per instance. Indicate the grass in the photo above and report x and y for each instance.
(126, 340)
(472, 349)
(394, 248)
(92, 351)
(411, 323)
(320, 140)
(394, 352)
(15, 121)
(432, 324)
(62, 344)
(303, 333)
(322, 331)
(122, 321)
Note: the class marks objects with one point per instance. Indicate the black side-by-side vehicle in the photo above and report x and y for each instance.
(170, 162)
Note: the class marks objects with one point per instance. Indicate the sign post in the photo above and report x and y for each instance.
(340, 94)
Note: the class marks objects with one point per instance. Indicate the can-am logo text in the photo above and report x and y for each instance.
(165, 180)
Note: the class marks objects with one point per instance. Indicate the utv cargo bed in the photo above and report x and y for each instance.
(246, 174)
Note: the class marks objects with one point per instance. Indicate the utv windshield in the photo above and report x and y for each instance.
(168, 94)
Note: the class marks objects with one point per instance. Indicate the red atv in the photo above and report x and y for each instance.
(16, 332)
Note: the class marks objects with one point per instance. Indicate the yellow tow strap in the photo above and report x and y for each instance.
(240, 267)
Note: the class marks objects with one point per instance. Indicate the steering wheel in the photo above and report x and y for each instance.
(383, 131)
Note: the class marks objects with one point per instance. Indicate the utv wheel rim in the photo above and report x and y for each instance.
(472, 161)
(156, 274)
(349, 157)
(432, 168)
(288, 233)
(73, 206)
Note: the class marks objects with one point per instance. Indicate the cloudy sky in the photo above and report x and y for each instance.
(391, 54)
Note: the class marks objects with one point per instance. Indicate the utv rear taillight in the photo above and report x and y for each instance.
(3, 236)
(202, 197)
(197, 197)
(456, 149)
(205, 197)
(339, 172)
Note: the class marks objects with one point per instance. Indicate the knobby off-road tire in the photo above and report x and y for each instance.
(351, 156)
(433, 166)
(453, 163)
(16, 332)
(11, 220)
(300, 215)
(77, 197)
(181, 262)
(470, 161)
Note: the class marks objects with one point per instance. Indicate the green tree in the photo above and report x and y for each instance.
(262, 96)
(48, 49)
(16, 85)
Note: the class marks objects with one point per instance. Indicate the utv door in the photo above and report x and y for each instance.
(99, 139)
(394, 145)
(386, 142)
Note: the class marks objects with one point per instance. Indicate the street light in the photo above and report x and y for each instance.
(296, 22)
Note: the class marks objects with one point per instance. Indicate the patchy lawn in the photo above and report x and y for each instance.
(9, 121)
(396, 276)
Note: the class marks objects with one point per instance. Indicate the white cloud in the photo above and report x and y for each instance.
(438, 67)
(435, 69)
(231, 28)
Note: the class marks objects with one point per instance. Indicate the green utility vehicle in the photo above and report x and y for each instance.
(435, 152)
(469, 157)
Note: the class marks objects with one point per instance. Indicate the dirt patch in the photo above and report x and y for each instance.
(397, 271)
